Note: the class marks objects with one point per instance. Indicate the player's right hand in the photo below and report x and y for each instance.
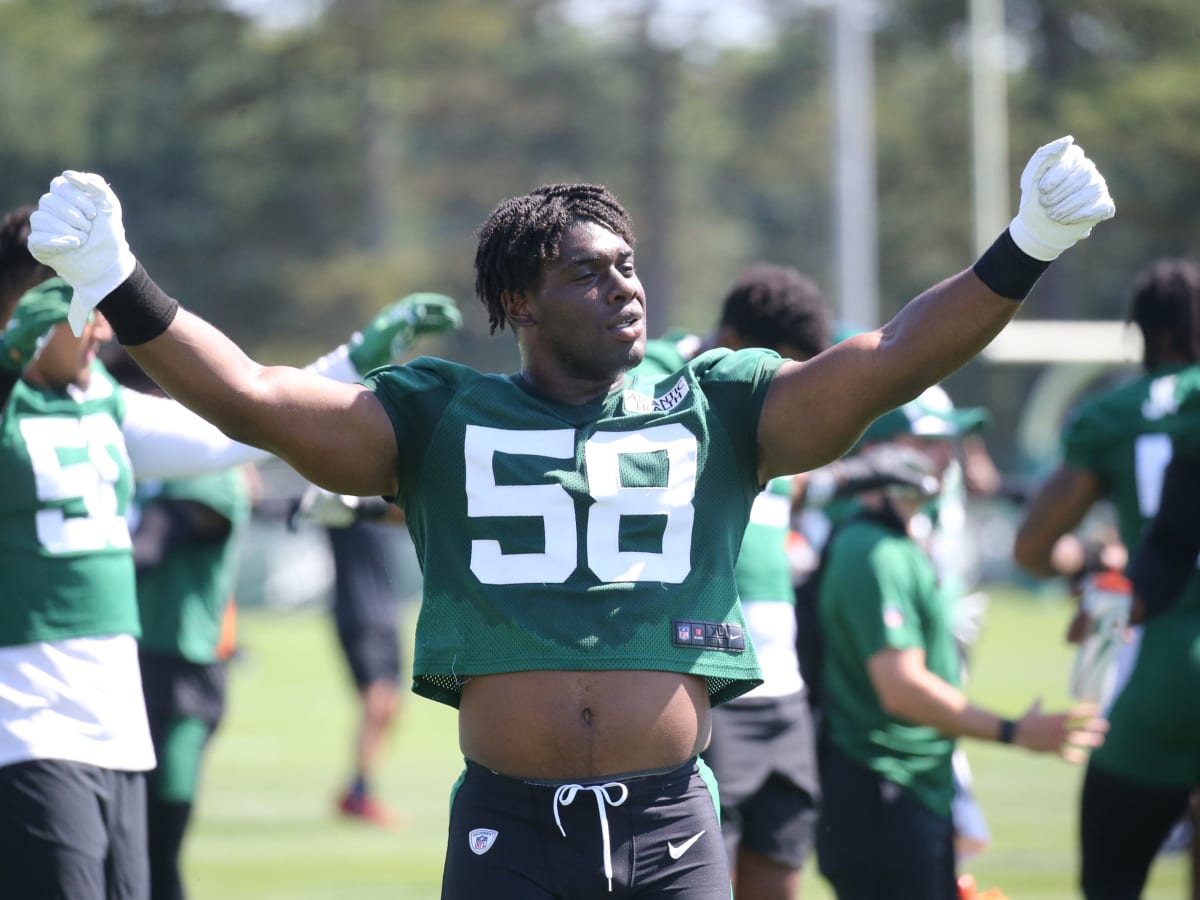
(78, 232)
(38, 313)
(1063, 196)
(1071, 734)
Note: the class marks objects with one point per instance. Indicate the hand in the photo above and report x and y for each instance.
(317, 506)
(1071, 734)
(77, 231)
(1063, 196)
(391, 332)
(38, 313)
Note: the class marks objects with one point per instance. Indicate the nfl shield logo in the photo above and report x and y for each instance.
(481, 840)
(683, 631)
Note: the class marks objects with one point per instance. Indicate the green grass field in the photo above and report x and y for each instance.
(265, 827)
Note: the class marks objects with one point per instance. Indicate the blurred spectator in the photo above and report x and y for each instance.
(891, 705)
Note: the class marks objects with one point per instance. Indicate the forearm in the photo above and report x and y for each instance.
(937, 333)
(925, 699)
(334, 434)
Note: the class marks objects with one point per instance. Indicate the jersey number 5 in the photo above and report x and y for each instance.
(78, 500)
(555, 506)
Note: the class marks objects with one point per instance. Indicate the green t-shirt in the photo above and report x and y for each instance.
(64, 545)
(878, 590)
(182, 601)
(579, 537)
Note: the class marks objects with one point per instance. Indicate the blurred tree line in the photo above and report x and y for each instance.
(286, 182)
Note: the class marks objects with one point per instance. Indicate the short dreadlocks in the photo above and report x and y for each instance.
(1166, 300)
(523, 233)
(775, 306)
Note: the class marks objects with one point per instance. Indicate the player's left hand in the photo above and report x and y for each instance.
(38, 313)
(78, 232)
(1063, 197)
(398, 324)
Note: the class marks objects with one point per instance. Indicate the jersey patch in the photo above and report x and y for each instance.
(640, 403)
(481, 840)
(709, 635)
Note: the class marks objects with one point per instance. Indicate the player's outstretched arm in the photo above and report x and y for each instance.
(336, 435)
(815, 410)
(907, 689)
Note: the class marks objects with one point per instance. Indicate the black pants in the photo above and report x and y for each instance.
(70, 831)
(1122, 824)
(876, 841)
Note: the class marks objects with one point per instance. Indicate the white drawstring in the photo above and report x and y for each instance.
(565, 795)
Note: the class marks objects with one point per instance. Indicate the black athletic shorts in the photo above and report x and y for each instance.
(876, 841)
(72, 830)
(657, 835)
(366, 601)
(764, 755)
(174, 686)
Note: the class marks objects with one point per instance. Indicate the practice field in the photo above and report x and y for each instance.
(265, 827)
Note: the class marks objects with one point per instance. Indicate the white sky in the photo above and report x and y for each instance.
(717, 23)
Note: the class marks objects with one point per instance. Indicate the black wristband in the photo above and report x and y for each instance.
(138, 310)
(1008, 270)
(1008, 731)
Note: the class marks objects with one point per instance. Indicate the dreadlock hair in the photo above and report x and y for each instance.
(19, 271)
(1165, 305)
(523, 233)
(772, 306)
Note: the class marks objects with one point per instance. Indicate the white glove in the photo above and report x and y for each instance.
(318, 506)
(77, 231)
(1063, 196)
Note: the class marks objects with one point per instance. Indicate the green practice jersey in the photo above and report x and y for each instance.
(64, 545)
(763, 571)
(182, 601)
(579, 537)
(1124, 437)
(879, 590)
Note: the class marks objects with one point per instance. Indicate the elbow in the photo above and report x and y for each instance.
(894, 700)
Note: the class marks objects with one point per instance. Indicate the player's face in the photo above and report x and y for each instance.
(67, 359)
(589, 313)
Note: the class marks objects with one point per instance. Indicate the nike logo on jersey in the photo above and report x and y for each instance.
(678, 851)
